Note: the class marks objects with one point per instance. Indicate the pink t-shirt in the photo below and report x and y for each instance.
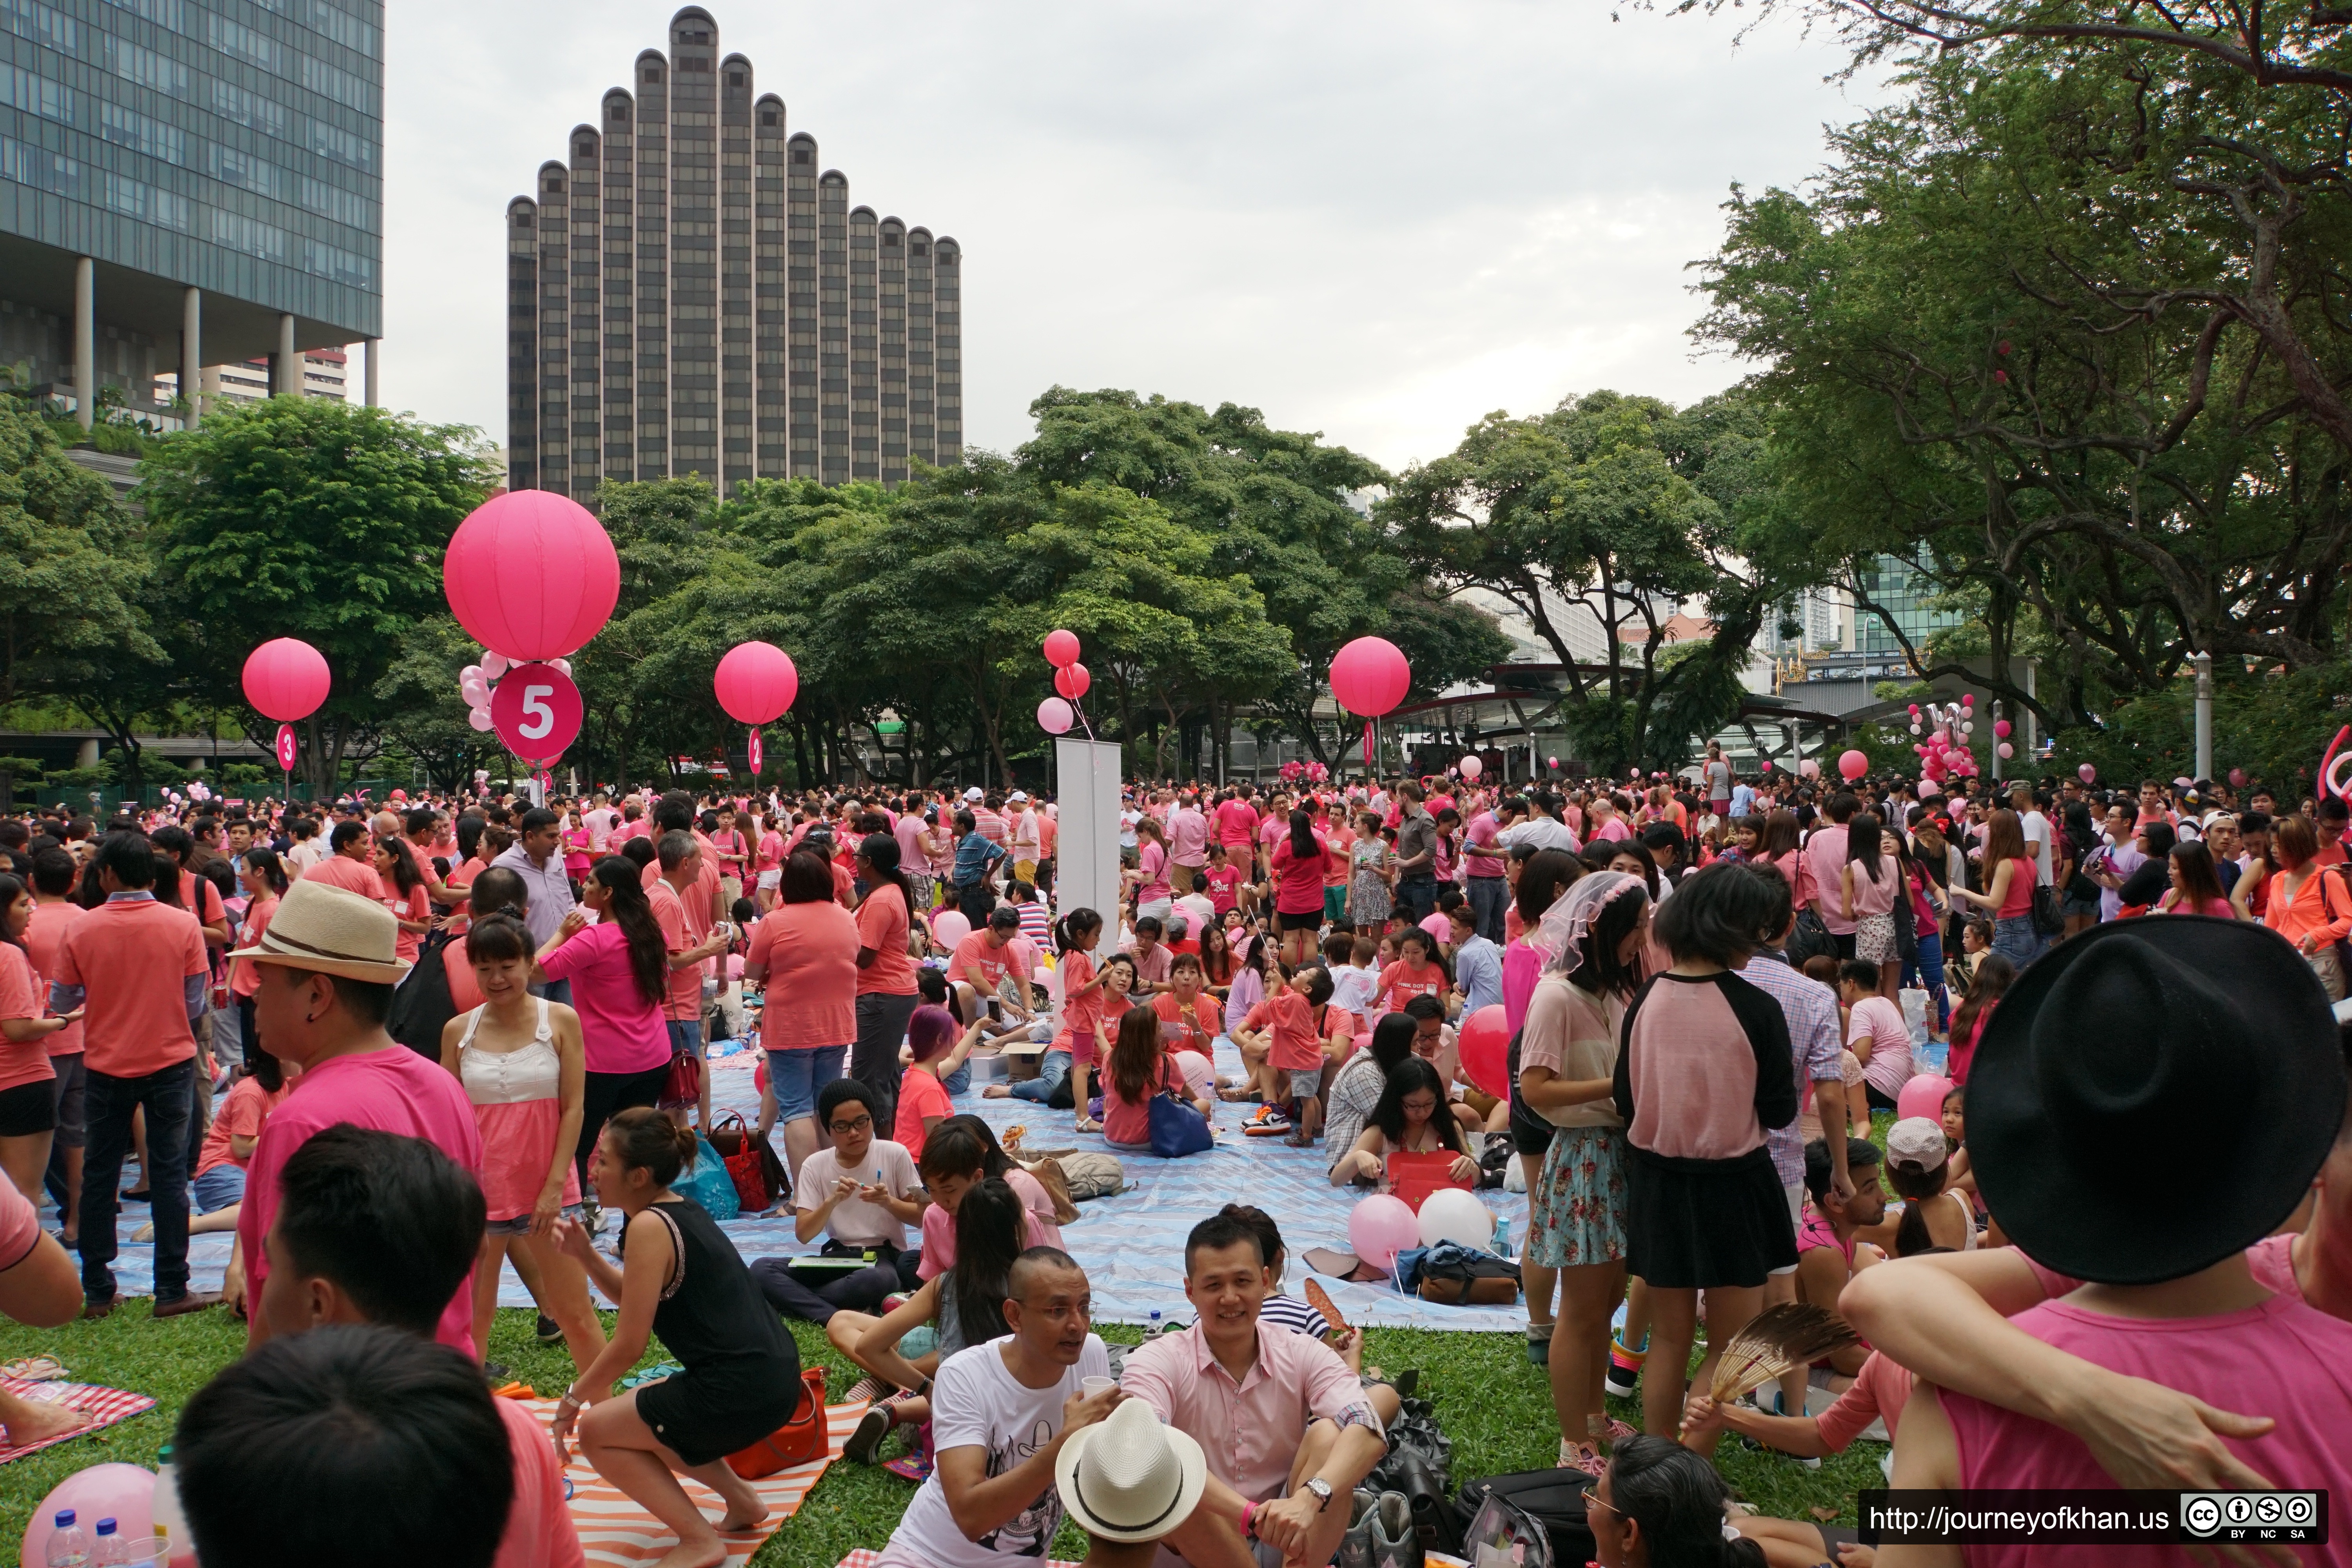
(44, 939)
(1188, 836)
(882, 926)
(1878, 1392)
(1880, 1020)
(1237, 824)
(1825, 858)
(131, 957)
(811, 955)
(352, 875)
(684, 1001)
(1037, 1227)
(20, 1227)
(23, 995)
(390, 1090)
(1129, 1122)
(2288, 1361)
(540, 1532)
(620, 1031)
(1298, 888)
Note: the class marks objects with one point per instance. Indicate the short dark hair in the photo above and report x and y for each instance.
(1861, 1153)
(537, 818)
(1004, 918)
(675, 849)
(1863, 971)
(392, 1221)
(1030, 1262)
(283, 1449)
(499, 888)
(1424, 1007)
(1149, 924)
(1218, 1232)
(53, 871)
(345, 832)
(1717, 914)
(842, 1091)
(807, 879)
(129, 856)
(1269, 1235)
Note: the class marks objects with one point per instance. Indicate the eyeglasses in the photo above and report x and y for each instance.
(1592, 1500)
(860, 1125)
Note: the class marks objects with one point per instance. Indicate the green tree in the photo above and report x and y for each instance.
(296, 516)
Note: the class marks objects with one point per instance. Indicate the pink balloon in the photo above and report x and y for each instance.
(1553, 761)
(1072, 681)
(1967, 699)
(1370, 676)
(1922, 1096)
(286, 679)
(124, 1493)
(1484, 1048)
(1810, 768)
(493, 665)
(1768, 764)
(949, 927)
(1852, 764)
(756, 683)
(1380, 1228)
(1472, 767)
(2237, 778)
(2001, 728)
(479, 718)
(1055, 716)
(531, 575)
(2087, 773)
(2006, 750)
(1061, 648)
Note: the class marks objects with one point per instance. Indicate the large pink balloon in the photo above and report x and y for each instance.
(286, 679)
(1852, 764)
(756, 683)
(1380, 1228)
(1922, 1096)
(1061, 648)
(1484, 1047)
(531, 574)
(1054, 716)
(1370, 676)
(124, 1493)
(949, 927)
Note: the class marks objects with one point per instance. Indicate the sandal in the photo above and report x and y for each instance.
(34, 1369)
(1581, 1456)
(1088, 1124)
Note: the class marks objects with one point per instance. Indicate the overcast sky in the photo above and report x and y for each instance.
(1375, 220)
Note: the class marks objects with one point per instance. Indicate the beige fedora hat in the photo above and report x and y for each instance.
(333, 931)
(1130, 1476)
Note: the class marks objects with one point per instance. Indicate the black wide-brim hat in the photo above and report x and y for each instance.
(2154, 1095)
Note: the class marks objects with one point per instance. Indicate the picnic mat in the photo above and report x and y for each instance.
(106, 1407)
(865, 1557)
(615, 1529)
(1131, 1245)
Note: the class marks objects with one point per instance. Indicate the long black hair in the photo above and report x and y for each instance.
(881, 852)
(1598, 971)
(405, 876)
(1412, 1076)
(1072, 926)
(264, 863)
(1544, 876)
(990, 1228)
(1302, 834)
(630, 910)
(1864, 846)
(11, 886)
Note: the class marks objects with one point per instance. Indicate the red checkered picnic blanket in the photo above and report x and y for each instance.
(106, 1407)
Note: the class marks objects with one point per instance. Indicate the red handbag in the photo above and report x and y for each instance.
(684, 1085)
(796, 1442)
(747, 1159)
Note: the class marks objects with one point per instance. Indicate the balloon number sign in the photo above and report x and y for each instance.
(537, 711)
(1369, 676)
(531, 575)
(1945, 752)
(286, 679)
(756, 683)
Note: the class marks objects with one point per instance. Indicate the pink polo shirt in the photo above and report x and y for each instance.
(390, 1090)
(1249, 1430)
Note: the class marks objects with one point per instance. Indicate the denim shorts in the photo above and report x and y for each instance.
(685, 1034)
(216, 1189)
(520, 1224)
(797, 1075)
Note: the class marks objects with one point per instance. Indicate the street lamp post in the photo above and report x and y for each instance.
(2204, 665)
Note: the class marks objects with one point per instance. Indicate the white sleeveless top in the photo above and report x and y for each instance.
(510, 1078)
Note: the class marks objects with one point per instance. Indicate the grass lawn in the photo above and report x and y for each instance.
(1495, 1406)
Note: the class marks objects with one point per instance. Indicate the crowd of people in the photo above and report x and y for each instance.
(1710, 984)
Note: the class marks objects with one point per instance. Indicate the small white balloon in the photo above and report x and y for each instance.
(561, 666)
(493, 664)
(1968, 728)
(479, 719)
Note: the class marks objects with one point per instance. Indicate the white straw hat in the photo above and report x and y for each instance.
(332, 931)
(1130, 1477)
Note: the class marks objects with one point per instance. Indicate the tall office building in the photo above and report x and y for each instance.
(1910, 596)
(689, 294)
(187, 183)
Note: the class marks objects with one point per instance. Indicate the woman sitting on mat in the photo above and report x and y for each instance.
(1412, 1117)
(682, 1279)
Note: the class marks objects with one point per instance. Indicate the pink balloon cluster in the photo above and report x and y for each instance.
(477, 682)
(1945, 754)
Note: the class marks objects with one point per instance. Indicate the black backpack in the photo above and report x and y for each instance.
(422, 1005)
(1553, 1499)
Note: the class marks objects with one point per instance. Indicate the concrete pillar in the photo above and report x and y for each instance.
(85, 341)
(374, 352)
(86, 754)
(191, 352)
(286, 373)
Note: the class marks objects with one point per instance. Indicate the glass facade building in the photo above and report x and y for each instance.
(185, 183)
(1909, 597)
(689, 291)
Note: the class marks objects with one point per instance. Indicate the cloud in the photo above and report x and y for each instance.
(1379, 220)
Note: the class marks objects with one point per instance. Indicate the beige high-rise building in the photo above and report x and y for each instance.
(692, 293)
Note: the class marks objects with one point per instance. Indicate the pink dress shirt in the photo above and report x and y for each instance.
(1249, 1430)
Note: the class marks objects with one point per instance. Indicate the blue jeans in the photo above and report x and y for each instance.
(960, 1080)
(1417, 894)
(1490, 898)
(1052, 1069)
(167, 1098)
(1927, 968)
(2015, 940)
(219, 1187)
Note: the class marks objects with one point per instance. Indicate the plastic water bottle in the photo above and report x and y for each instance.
(1152, 1329)
(68, 1543)
(110, 1549)
(1502, 1236)
(171, 1521)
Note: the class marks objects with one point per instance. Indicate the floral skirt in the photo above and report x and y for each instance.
(1576, 1211)
(1874, 939)
(1368, 900)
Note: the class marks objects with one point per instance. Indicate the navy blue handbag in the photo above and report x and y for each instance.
(1178, 1129)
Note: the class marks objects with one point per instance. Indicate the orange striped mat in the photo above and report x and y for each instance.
(865, 1557)
(615, 1530)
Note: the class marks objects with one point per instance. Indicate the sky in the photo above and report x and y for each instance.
(1378, 221)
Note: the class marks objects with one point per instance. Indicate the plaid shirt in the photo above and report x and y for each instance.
(1813, 1012)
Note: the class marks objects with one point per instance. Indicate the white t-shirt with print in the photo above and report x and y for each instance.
(976, 1402)
(853, 1220)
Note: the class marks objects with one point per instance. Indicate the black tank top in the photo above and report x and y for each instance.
(711, 1316)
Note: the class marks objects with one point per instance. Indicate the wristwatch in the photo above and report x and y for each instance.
(1322, 1490)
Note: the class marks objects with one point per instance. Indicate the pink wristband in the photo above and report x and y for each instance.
(1249, 1515)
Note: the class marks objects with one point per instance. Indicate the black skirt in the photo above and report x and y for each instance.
(1693, 1223)
(707, 1417)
